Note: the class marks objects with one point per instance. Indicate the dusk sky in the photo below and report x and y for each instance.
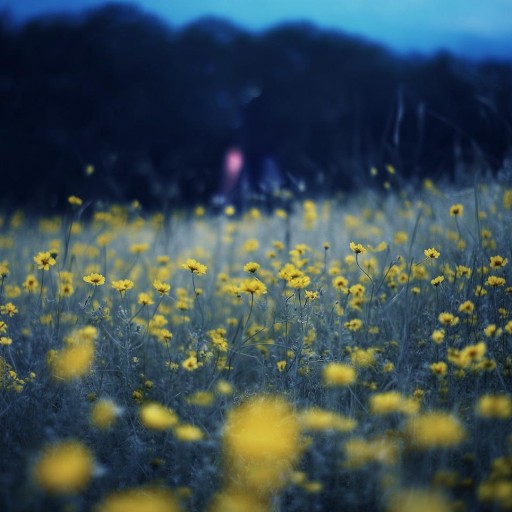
(470, 27)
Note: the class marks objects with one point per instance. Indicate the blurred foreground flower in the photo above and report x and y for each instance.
(140, 499)
(64, 468)
(261, 444)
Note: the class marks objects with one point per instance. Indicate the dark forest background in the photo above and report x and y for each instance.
(154, 109)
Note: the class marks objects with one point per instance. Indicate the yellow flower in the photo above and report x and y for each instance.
(435, 429)
(353, 325)
(494, 407)
(360, 452)
(161, 287)
(94, 279)
(438, 336)
(144, 299)
(261, 443)
(437, 281)
(498, 261)
(432, 253)
(310, 295)
(320, 420)
(4, 340)
(122, 285)
(338, 374)
(253, 286)
(467, 307)
(157, 417)
(236, 500)
(140, 499)
(190, 364)
(440, 369)
(252, 267)
(44, 260)
(73, 361)
(448, 319)
(104, 413)
(419, 500)
(75, 201)
(495, 281)
(392, 402)
(9, 309)
(357, 248)
(456, 210)
(188, 433)
(195, 267)
(281, 366)
(64, 468)
(139, 248)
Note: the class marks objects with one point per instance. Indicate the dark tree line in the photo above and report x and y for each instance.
(154, 109)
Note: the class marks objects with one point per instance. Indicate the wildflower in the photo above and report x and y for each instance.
(357, 248)
(73, 361)
(44, 260)
(340, 283)
(432, 253)
(281, 366)
(363, 358)
(494, 407)
(251, 245)
(261, 444)
(64, 468)
(311, 295)
(419, 500)
(161, 287)
(122, 285)
(154, 499)
(94, 279)
(218, 337)
(234, 499)
(438, 336)
(448, 319)
(495, 281)
(195, 267)
(223, 387)
(392, 402)
(201, 398)
(252, 267)
(253, 286)
(353, 325)
(467, 307)
(320, 420)
(338, 374)
(498, 261)
(190, 364)
(75, 201)
(360, 452)
(188, 433)
(144, 299)
(456, 210)
(462, 271)
(440, 369)
(104, 413)
(3, 326)
(8, 309)
(157, 417)
(5, 341)
(493, 331)
(437, 281)
(139, 248)
(66, 289)
(435, 430)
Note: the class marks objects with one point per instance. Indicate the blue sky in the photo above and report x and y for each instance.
(474, 27)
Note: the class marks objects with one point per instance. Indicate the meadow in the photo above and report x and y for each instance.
(347, 354)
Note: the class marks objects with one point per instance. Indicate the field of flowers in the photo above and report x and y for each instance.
(347, 354)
